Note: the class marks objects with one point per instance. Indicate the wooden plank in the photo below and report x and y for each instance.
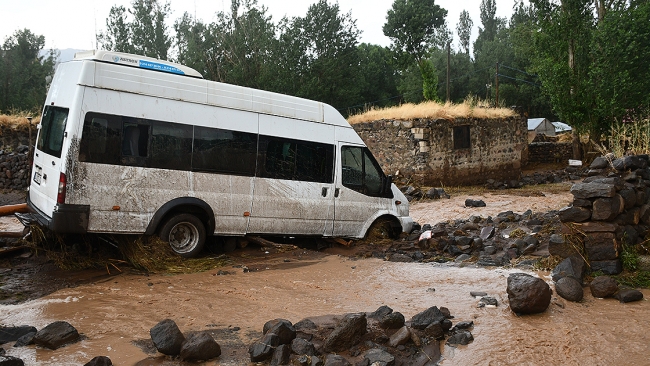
(11, 209)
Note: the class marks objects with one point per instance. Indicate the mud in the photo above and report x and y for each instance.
(115, 312)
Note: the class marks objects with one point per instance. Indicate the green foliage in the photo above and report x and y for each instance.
(146, 34)
(410, 25)
(620, 73)
(638, 279)
(410, 85)
(464, 30)
(429, 80)
(24, 74)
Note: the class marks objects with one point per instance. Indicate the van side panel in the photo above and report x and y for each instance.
(292, 206)
(140, 192)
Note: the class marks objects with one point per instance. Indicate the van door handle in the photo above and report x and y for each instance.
(53, 163)
(324, 192)
(336, 192)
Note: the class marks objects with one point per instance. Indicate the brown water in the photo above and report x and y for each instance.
(114, 313)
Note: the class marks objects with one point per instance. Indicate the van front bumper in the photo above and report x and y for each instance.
(66, 219)
(407, 223)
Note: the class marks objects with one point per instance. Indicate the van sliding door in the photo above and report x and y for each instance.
(293, 192)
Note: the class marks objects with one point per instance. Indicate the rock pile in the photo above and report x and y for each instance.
(494, 241)
(382, 337)
(197, 346)
(610, 208)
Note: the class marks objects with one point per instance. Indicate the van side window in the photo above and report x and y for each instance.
(135, 139)
(171, 146)
(100, 141)
(224, 151)
(296, 160)
(360, 171)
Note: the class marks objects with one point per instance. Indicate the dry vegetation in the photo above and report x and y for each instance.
(18, 119)
(433, 110)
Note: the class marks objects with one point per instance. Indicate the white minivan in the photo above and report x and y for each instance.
(130, 144)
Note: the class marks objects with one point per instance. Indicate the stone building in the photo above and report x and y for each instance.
(437, 152)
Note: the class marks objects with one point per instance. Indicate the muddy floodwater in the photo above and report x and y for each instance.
(115, 315)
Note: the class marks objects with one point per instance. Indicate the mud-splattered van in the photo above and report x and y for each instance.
(129, 144)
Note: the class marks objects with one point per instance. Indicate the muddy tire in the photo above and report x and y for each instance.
(382, 229)
(185, 234)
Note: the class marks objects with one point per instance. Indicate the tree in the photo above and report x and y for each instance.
(118, 32)
(378, 81)
(193, 44)
(411, 25)
(318, 56)
(464, 30)
(146, 34)
(149, 36)
(620, 73)
(23, 72)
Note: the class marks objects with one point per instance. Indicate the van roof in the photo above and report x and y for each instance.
(142, 62)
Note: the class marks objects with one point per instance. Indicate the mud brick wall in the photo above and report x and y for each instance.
(549, 152)
(423, 149)
(14, 170)
(608, 211)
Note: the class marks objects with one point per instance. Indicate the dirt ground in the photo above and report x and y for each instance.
(115, 310)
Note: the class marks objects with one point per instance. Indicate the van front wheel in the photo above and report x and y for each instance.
(185, 234)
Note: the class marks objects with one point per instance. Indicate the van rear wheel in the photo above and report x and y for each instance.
(185, 234)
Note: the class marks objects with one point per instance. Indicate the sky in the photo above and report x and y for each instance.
(74, 23)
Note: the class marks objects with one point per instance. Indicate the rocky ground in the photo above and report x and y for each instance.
(502, 227)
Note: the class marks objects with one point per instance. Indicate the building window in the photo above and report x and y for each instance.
(461, 137)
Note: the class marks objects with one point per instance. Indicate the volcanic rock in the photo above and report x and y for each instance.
(528, 294)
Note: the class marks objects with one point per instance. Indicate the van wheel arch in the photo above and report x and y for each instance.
(189, 205)
(385, 225)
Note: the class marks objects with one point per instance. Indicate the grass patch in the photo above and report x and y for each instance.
(547, 263)
(432, 110)
(638, 279)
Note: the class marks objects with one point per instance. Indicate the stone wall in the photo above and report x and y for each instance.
(423, 149)
(15, 170)
(609, 210)
(549, 152)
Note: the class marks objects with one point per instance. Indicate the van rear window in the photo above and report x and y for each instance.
(50, 138)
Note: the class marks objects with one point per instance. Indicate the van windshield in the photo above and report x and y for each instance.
(50, 138)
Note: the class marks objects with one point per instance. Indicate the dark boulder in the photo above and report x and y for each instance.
(593, 190)
(528, 294)
(487, 232)
(167, 338)
(603, 286)
(560, 247)
(600, 162)
(402, 336)
(632, 162)
(569, 288)
(284, 329)
(347, 333)
(379, 357)
(25, 340)
(423, 319)
(336, 360)
(607, 209)
(11, 334)
(429, 355)
(610, 267)
(435, 331)
(301, 346)
(200, 346)
(281, 355)
(56, 335)
(629, 295)
(574, 214)
(461, 337)
(11, 361)
(262, 349)
(99, 361)
(381, 312)
(573, 266)
(305, 324)
(474, 203)
(392, 321)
